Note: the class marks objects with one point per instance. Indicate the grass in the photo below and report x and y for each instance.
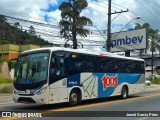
(155, 80)
(5, 80)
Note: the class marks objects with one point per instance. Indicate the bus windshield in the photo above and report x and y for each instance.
(32, 68)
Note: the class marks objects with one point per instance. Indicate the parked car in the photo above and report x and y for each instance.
(148, 83)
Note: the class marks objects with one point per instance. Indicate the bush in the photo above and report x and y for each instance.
(3, 60)
(155, 80)
(5, 80)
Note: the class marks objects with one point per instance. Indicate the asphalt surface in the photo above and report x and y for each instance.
(109, 108)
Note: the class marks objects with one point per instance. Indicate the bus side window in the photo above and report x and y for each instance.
(52, 67)
(60, 67)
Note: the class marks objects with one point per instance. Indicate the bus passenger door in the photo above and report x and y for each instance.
(57, 80)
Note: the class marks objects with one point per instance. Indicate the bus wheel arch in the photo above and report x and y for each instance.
(75, 96)
(124, 91)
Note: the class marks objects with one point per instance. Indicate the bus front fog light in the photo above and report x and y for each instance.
(41, 91)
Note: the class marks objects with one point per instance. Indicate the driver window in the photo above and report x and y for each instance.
(57, 66)
(52, 67)
(60, 67)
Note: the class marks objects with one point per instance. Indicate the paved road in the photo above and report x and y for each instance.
(147, 101)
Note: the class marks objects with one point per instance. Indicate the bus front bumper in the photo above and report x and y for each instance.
(28, 99)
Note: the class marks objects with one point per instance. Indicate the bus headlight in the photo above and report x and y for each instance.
(41, 91)
(15, 92)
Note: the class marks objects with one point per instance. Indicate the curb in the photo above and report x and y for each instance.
(153, 86)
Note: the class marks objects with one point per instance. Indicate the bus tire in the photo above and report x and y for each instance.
(74, 98)
(124, 92)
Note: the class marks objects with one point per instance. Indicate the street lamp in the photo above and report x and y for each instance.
(109, 32)
(138, 17)
(127, 53)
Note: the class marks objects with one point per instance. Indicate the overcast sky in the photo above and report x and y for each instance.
(46, 11)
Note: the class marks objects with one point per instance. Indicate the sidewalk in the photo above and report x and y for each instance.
(7, 97)
(153, 87)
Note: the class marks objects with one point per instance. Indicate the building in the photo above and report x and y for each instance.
(148, 61)
(10, 51)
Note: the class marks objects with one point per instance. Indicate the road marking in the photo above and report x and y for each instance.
(87, 106)
(102, 103)
(10, 118)
(143, 118)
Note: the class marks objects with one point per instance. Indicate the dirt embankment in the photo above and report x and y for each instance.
(4, 70)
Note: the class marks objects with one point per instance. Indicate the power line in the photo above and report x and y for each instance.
(143, 21)
(147, 9)
(115, 17)
(119, 5)
(143, 7)
(152, 7)
(155, 3)
(35, 28)
(33, 22)
(16, 13)
(100, 5)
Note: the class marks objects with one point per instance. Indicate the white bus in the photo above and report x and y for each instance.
(55, 75)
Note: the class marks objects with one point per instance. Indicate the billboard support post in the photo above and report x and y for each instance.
(127, 53)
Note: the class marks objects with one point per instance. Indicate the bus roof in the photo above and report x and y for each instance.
(85, 51)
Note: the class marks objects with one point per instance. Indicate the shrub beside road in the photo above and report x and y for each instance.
(155, 79)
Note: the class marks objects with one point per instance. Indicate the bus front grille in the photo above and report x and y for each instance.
(26, 100)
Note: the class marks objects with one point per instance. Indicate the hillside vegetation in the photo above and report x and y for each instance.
(14, 34)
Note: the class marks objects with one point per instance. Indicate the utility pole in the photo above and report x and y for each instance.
(108, 42)
(109, 27)
(152, 55)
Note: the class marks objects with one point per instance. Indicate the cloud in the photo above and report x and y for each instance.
(25, 8)
(97, 10)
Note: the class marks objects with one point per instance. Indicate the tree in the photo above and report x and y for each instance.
(32, 31)
(17, 25)
(153, 36)
(72, 24)
(2, 26)
(2, 19)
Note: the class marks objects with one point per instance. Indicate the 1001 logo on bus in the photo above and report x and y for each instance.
(109, 81)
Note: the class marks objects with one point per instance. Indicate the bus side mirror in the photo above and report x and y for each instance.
(12, 63)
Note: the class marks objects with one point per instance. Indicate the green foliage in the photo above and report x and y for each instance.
(12, 64)
(152, 34)
(3, 60)
(155, 81)
(14, 35)
(72, 24)
(5, 80)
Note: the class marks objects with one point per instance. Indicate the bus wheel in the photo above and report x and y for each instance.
(124, 92)
(73, 98)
